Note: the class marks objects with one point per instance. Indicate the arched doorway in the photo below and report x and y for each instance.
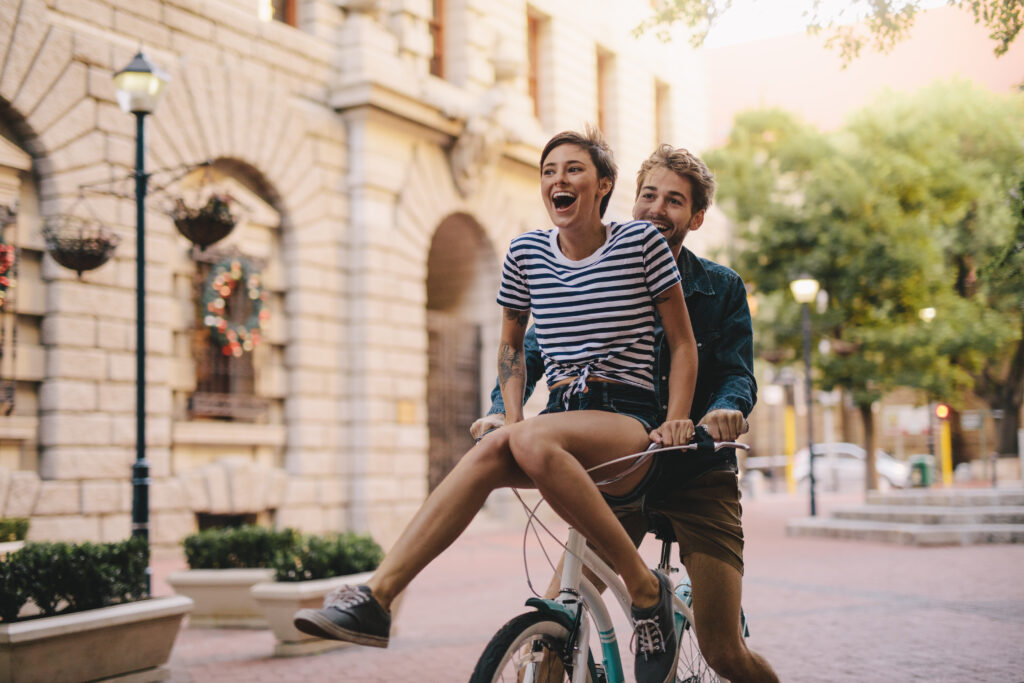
(462, 276)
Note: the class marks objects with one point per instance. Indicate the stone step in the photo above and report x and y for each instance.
(906, 534)
(949, 497)
(934, 514)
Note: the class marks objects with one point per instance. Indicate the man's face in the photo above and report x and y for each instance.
(665, 199)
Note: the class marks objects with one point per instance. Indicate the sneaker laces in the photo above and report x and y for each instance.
(346, 596)
(647, 634)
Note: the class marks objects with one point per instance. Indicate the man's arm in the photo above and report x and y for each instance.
(735, 389)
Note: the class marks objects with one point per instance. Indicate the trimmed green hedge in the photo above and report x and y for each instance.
(321, 557)
(245, 547)
(293, 556)
(67, 577)
(13, 529)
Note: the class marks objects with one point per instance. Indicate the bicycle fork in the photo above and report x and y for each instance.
(569, 595)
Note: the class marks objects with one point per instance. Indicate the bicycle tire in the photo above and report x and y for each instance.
(691, 666)
(521, 643)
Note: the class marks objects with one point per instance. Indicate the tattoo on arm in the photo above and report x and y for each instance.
(521, 317)
(510, 364)
(661, 298)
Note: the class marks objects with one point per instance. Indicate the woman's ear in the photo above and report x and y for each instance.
(604, 186)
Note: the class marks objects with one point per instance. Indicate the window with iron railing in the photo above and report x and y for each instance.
(437, 38)
(225, 382)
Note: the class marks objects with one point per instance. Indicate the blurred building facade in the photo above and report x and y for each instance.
(380, 155)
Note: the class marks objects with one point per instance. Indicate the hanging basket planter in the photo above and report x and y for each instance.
(80, 244)
(210, 223)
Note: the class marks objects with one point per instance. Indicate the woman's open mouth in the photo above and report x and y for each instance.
(562, 200)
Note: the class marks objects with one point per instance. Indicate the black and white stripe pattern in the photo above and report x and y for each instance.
(594, 317)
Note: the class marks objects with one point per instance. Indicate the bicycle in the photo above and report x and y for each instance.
(552, 643)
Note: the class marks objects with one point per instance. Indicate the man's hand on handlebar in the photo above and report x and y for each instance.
(724, 424)
(486, 424)
(673, 433)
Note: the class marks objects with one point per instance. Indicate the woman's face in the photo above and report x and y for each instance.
(570, 187)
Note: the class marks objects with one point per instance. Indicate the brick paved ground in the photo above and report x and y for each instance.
(820, 610)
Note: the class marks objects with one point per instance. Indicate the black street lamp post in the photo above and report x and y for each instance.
(139, 87)
(805, 289)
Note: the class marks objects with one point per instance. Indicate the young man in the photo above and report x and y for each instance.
(674, 190)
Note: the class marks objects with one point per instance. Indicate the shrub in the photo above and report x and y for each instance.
(68, 577)
(321, 557)
(13, 529)
(244, 547)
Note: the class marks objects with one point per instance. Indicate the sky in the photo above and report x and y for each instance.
(749, 20)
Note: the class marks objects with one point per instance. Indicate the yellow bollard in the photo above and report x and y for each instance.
(946, 453)
(790, 434)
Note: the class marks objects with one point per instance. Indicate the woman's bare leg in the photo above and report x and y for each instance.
(446, 513)
(554, 451)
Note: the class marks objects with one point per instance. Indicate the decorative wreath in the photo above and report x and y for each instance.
(234, 339)
(6, 263)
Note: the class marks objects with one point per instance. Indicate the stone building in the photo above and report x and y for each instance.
(379, 154)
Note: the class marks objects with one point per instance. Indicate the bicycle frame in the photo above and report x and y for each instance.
(575, 587)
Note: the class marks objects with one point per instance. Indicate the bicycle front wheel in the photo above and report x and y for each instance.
(531, 648)
(691, 667)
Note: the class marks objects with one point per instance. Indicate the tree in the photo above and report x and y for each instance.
(876, 212)
(880, 23)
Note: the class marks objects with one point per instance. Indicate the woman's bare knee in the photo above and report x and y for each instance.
(532, 452)
(492, 460)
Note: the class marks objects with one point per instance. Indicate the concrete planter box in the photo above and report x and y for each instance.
(8, 547)
(222, 596)
(133, 640)
(280, 600)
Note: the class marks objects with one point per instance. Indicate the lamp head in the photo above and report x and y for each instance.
(804, 288)
(140, 85)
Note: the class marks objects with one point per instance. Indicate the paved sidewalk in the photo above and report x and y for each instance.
(820, 610)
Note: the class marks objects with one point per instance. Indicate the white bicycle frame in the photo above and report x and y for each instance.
(595, 612)
(575, 587)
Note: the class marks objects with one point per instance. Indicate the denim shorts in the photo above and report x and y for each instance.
(625, 399)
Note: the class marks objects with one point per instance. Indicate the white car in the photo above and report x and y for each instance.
(840, 466)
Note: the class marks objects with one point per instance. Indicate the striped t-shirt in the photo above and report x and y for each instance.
(594, 317)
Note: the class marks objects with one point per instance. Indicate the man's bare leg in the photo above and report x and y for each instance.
(717, 592)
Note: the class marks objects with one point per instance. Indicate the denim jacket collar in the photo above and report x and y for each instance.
(695, 278)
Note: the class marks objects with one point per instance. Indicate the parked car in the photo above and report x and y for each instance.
(840, 465)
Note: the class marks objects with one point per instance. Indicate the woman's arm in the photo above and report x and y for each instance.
(512, 363)
(682, 378)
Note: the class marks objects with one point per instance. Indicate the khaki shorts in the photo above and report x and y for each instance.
(705, 516)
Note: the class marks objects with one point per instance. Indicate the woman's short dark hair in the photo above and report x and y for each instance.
(600, 153)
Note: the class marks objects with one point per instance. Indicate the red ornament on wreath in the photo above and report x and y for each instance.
(225, 278)
(7, 252)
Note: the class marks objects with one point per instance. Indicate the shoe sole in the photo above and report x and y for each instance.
(311, 622)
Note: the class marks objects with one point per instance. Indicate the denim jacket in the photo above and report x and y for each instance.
(717, 303)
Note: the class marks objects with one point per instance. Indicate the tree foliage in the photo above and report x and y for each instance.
(883, 24)
(915, 203)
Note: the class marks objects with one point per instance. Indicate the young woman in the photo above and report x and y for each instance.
(593, 290)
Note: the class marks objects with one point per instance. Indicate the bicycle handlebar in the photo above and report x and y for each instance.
(658, 448)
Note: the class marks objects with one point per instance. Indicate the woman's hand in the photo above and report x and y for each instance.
(673, 433)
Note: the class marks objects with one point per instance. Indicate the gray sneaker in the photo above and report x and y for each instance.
(656, 644)
(350, 613)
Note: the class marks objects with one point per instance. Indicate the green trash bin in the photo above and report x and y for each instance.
(921, 470)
